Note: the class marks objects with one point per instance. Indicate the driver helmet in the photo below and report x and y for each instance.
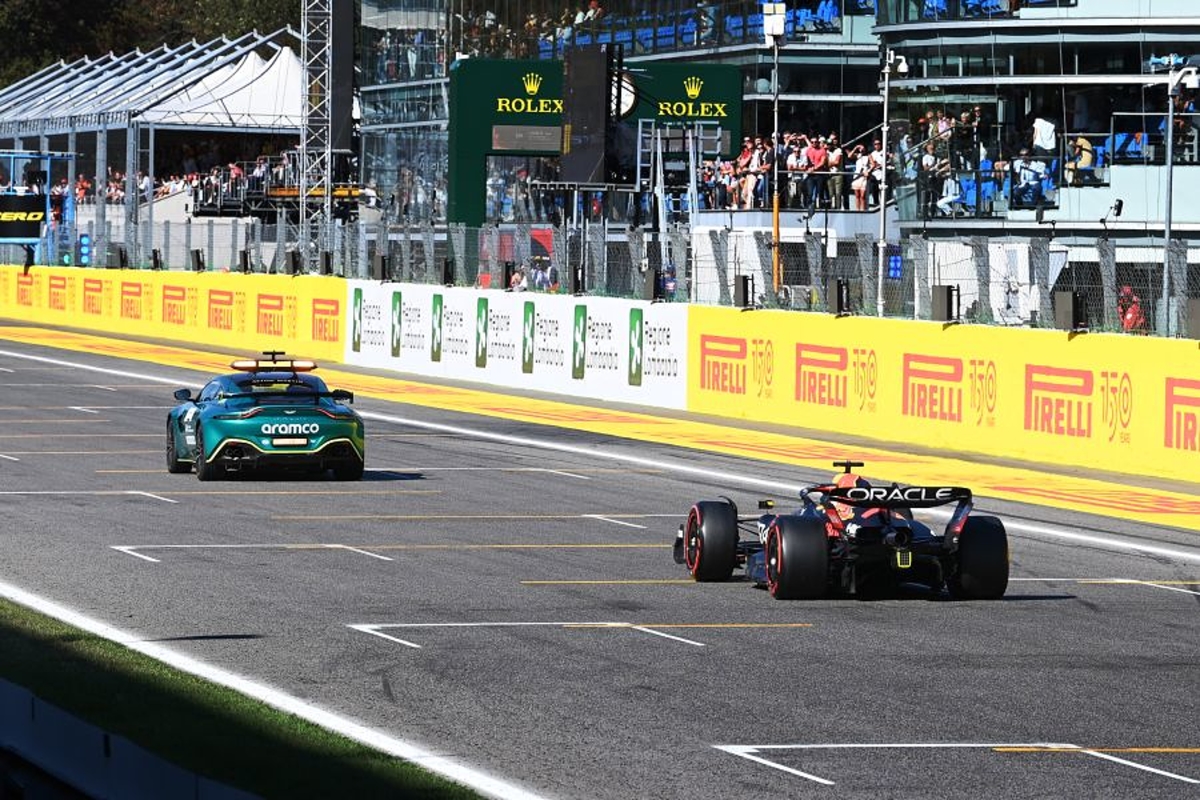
(846, 480)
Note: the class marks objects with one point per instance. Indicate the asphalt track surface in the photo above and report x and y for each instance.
(514, 609)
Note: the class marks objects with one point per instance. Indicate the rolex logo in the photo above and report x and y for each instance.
(532, 82)
(692, 86)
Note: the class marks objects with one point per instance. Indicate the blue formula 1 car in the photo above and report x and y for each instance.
(849, 537)
(270, 412)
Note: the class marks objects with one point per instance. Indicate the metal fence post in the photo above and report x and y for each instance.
(720, 251)
(1039, 267)
(868, 272)
(1106, 253)
(983, 273)
(1177, 310)
(918, 256)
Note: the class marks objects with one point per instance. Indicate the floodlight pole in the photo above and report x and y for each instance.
(889, 62)
(1173, 80)
(774, 26)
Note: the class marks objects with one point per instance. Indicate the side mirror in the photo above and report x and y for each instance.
(342, 396)
(183, 395)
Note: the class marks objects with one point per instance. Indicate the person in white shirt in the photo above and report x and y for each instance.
(1045, 140)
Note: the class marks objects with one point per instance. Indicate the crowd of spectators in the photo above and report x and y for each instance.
(816, 171)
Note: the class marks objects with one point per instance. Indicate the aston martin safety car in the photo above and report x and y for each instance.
(849, 537)
(270, 412)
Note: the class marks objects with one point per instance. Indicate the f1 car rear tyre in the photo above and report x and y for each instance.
(982, 572)
(797, 556)
(349, 472)
(710, 540)
(206, 470)
(174, 465)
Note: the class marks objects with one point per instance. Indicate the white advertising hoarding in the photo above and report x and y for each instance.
(597, 347)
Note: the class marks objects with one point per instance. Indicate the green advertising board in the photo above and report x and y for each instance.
(509, 107)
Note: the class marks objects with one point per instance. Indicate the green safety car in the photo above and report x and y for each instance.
(268, 413)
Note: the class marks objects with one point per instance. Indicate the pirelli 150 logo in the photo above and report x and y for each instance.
(729, 364)
(949, 389)
(1061, 402)
(836, 377)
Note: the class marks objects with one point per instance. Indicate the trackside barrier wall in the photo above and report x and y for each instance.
(1114, 402)
(1111, 402)
(92, 760)
(600, 348)
(303, 314)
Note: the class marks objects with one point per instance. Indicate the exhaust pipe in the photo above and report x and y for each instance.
(898, 537)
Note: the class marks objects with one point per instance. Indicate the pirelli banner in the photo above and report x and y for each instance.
(602, 348)
(302, 315)
(1111, 402)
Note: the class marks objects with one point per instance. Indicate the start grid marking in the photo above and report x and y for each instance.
(755, 753)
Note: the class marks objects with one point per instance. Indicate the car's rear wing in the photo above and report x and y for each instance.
(896, 496)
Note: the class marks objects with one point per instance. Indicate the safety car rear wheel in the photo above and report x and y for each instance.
(349, 471)
(982, 572)
(710, 540)
(174, 465)
(206, 470)
(797, 554)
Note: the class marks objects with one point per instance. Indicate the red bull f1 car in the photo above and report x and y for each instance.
(849, 537)
(270, 412)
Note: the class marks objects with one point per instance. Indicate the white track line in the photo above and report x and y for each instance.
(152, 496)
(129, 550)
(1135, 765)
(359, 551)
(666, 635)
(563, 473)
(616, 521)
(375, 629)
(748, 753)
(1155, 586)
(400, 748)
(9, 458)
(83, 409)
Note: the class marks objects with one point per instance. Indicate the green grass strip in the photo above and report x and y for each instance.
(198, 725)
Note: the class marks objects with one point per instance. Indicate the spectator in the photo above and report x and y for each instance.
(1027, 186)
(1129, 306)
(818, 166)
(1079, 167)
(837, 176)
(862, 179)
(1045, 139)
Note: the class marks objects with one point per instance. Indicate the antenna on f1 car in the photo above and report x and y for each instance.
(849, 465)
(273, 355)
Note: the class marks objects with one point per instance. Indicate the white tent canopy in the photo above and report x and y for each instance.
(222, 84)
(252, 93)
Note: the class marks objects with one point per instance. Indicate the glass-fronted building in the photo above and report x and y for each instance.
(1043, 108)
(828, 68)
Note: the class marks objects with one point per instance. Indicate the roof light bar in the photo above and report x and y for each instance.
(257, 365)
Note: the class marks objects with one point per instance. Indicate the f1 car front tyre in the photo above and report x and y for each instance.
(174, 465)
(797, 554)
(710, 541)
(982, 572)
(206, 470)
